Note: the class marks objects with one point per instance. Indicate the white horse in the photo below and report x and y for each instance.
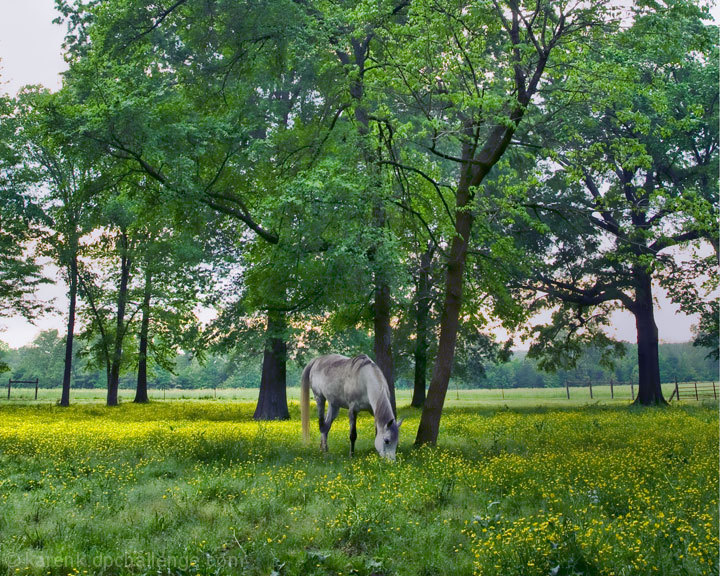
(352, 383)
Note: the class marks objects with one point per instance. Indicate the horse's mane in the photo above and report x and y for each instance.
(383, 409)
(360, 361)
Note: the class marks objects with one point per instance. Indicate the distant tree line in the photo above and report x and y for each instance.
(44, 359)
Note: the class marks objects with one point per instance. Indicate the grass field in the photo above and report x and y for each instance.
(197, 487)
(519, 397)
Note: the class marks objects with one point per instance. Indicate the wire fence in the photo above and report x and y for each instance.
(573, 392)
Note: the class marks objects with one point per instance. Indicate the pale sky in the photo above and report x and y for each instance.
(30, 45)
(31, 53)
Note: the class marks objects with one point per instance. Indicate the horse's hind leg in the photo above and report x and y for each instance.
(325, 426)
(353, 431)
(320, 401)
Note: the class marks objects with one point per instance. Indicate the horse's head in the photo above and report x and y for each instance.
(386, 439)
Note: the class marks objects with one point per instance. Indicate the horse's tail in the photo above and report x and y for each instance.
(305, 402)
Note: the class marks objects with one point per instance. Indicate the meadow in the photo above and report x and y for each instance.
(196, 486)
(512, 397)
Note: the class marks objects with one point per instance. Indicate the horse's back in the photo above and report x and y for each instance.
(340, 380)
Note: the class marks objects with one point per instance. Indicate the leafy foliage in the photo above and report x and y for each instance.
(20, 217)
(626, 182)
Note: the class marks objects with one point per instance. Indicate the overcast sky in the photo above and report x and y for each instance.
(31, 53)
(30, 45)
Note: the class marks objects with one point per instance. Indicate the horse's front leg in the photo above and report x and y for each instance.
(325, 426)
(353, 431)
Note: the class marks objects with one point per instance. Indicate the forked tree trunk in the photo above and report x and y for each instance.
(67, 373)
(649, 388)
(475, 166)
(114, 374)
(272, 399)
(421, 328)
(141, 392)
(450, 319)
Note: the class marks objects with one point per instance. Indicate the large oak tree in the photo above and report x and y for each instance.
(632, 189)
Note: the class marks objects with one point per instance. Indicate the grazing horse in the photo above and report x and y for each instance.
(352, 383)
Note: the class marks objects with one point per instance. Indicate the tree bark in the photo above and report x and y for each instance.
(383, 337)
(649, 388)
(272, 399)
(141, 393)
(421, 328)
(382, 314)
(114, 373)
(67, 373)
(450, 320)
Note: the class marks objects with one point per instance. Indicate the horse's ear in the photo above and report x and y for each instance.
(390, 424)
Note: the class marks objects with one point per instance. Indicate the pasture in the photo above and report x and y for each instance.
(512, 397)
(196, 486)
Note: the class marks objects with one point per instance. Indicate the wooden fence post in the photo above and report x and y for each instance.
(37, 381)
(9, 380)
(632, 390)
(590, 385)
(696, 393)
(567, 389)
(714, 391)
(677, 389)
(612, 393)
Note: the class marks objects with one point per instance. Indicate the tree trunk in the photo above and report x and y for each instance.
(382, 305)
(421, 328)
(272, 399)
(473, 169)
(67, 373)
(450, 318)
(383, 337)
(141, 393)
(649, 389)
(382, 314)
(114, 375)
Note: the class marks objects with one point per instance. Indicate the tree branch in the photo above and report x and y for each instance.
(668, 241)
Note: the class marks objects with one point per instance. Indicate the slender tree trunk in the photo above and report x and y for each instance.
(473, 169)
(421, 328)
(383, 337)
(272, 399)
(649, 388)
(141, 392)
(67, 373)
(382, 314)
(114, 375)
(450, 318)
(382, 306)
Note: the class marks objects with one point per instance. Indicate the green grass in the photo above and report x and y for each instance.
(198, 487)
(514, 397)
